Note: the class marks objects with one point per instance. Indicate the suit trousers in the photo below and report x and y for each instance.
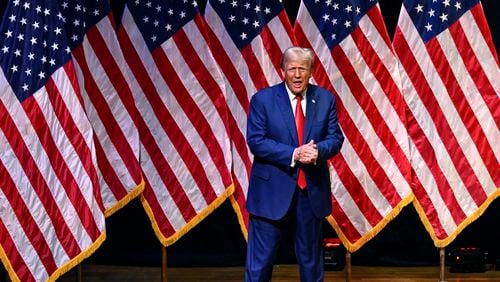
(264, 236)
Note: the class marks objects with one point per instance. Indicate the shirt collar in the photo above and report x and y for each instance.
(291, 96)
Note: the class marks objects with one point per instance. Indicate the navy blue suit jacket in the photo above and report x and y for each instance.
(272, 138)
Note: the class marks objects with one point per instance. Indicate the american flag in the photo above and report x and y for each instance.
(451, 84)
(51, 211)
(372, 175)
(103, 76)
(247, 39)
(185, 153)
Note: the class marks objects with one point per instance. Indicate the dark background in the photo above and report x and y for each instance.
(218, 241)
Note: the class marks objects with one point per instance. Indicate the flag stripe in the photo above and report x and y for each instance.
(20, 269)
(423, 144)
(58, 160)
(109, 125)
(37, 180)
(166, 69)
(119, 82)
(148, 140)
(181, 100)
(480, 23)
(445, 122)
(214, 92)
(449, 81)
(25, 218)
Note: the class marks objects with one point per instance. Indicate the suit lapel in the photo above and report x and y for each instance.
(286, 112)
(310, 112)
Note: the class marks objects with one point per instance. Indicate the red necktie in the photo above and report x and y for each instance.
(299, 123)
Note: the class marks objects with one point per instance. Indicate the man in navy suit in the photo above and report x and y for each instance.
(289, 181)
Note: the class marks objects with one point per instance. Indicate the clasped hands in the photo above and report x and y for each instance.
(306, 153)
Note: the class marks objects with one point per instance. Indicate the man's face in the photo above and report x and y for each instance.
(297, 73)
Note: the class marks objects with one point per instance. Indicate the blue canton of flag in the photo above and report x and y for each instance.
(150, 18)
(79, 15)
(431, 18)
(33, 45)
(337, 19)
(243, 25)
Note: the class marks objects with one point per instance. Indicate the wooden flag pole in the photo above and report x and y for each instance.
(347, 266)
(79, 272)
(441, 265)
(163, 263)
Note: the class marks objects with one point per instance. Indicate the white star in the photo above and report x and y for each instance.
(195, 4)
(431, 13)
(28, 72)
(419, 8)
(74, 37)
(256, 24)
(334, 21)
(358, 10)
(243, 36)
(76, 23)
(31, 56)
(25, 87)
(156, 23)
(182, 14)
(5, 49)
(64, 5)
(43, 59)
(36, 25)
(446, 3)
(168, 27)
(428, 27)
(348, 9)
(57, 31)
(20, 37)
(78, 8)
(443, 17)
(26, 5)
(334, 36)
(257, 9)
(234, 3)
(14, 68)
(347, 24)
(17, 53)
(23, 21)
(458, 5)
(326, 17)
(335, 6)
(153, 38)
(245, 21)
(247, 6)
(145, 19)
(8, 33)
(12, 18)
(16, 2)
(41, 75)
(267, 11)
(33, 41)
(96, 12)
(55, 46)
(52, 62)
(158, 8)
(38, 9)
(46, 12)
(232, 18)
(170, 12)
